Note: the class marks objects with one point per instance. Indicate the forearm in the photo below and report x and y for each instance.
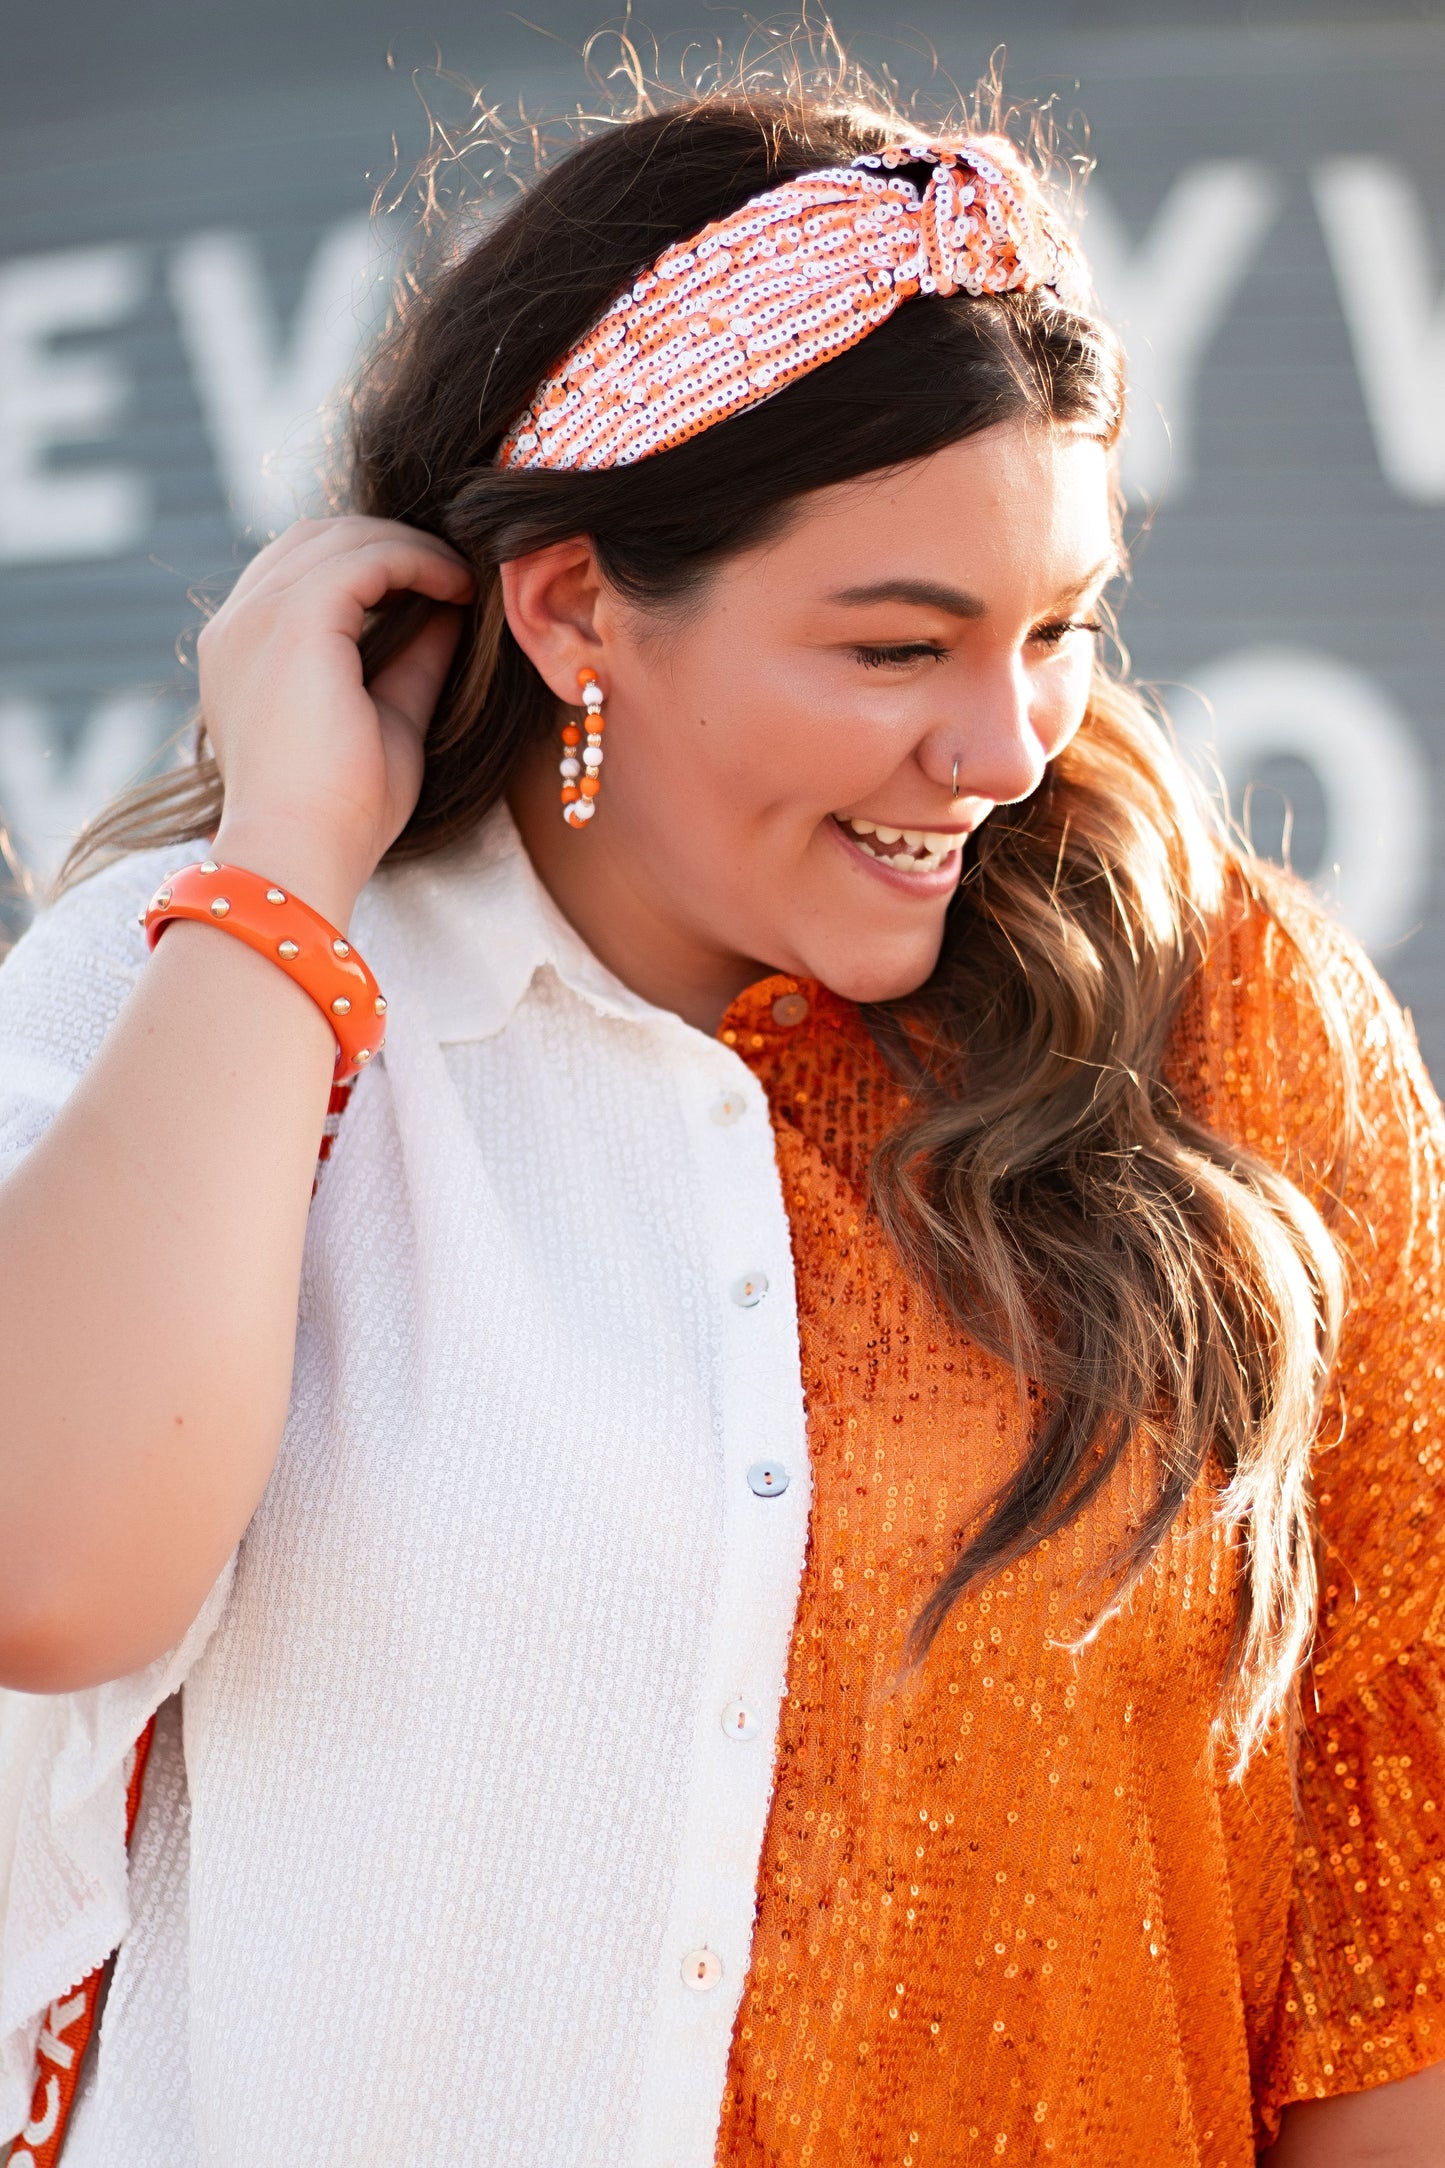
(150, 1253)
(1401, 2125)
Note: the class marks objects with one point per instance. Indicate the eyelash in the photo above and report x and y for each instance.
(1051, 635)
(878, 658)
(882, 658)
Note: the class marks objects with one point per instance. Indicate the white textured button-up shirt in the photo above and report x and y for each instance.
(449, 1848)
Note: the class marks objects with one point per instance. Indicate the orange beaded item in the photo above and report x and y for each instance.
(581, 782)
(277, 925)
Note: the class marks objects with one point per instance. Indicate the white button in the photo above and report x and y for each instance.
(701, 1969)
(728, 1108)
(749, 1291)
(767, 1479)
(739, 1722)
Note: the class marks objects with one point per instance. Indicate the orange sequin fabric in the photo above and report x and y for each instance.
(786, 282)
(1013, 1909)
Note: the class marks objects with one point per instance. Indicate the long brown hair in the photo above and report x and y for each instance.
(1045, 1184)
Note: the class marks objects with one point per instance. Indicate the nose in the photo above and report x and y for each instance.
(992, 747)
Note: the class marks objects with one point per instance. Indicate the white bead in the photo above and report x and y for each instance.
(583, 810)
(592, 696)
(593, 756)
(570, 768)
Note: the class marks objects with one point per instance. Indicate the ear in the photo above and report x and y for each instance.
(556, 612)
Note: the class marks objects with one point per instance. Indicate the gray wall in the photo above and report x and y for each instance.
(186, 264)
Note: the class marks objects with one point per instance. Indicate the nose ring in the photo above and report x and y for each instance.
(955, 779)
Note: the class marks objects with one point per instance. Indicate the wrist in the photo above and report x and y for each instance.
(297, 858)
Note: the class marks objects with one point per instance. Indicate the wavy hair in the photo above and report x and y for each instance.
(1044, 1184)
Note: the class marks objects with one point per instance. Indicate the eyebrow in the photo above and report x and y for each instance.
(953, 601)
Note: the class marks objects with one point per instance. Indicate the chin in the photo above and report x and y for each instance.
(862, 978)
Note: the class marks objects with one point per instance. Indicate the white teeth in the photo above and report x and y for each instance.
(924, 848)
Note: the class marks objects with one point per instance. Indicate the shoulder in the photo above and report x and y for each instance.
(65, 979)
(1287, 1041)
(102, 909)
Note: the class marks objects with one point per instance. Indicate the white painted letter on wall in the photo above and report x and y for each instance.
(1265, 702)
(1167, 298)
(49, 399)
(263, 395)
(1384, 265)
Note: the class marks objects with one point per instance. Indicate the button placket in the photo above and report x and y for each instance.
(759, 1414)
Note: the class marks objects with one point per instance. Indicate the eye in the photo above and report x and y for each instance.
(1053, 635)
(884, 658)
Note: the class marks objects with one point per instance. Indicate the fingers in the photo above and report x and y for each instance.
(355, 580)
(313, 543)
(412, 680)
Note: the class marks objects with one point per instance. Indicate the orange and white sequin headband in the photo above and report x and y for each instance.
(786, 282)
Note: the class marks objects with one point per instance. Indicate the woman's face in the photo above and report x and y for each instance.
(777, 793)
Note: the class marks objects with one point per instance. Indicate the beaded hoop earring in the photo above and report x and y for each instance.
(581, 780)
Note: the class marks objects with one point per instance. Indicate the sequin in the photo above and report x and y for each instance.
(718, 327)
(1012, 1906)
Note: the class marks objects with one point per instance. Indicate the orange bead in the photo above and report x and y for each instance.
(570, 794)
(590, 785)
(595, 724)
(586, 677)
(571, 735)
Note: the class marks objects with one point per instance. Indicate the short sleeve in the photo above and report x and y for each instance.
(1361, 1994)
(64, 1757)
(62, 987)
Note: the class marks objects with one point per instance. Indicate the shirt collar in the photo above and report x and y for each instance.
(470, 927)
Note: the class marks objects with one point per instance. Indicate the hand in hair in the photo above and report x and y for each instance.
(321, 770)
(150, 1243)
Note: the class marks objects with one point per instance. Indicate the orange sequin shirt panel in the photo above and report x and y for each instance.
(1014, 1909)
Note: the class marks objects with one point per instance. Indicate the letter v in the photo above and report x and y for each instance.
(1167, 297)
(1384, 269)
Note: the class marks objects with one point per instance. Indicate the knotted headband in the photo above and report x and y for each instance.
(786, 282)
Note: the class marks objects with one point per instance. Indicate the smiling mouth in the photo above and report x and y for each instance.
(911, 850)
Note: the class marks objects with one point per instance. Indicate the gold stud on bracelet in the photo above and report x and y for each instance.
(220, 907)
(340, 947)
(341, 1006)
(275, 895)
(208, 865)
(381, 1004)
(288, 951)
(363, 1053)
(163, 899)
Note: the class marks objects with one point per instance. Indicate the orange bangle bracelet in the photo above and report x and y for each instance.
(300, 941)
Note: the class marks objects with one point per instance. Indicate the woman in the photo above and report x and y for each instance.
(782, 1478)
